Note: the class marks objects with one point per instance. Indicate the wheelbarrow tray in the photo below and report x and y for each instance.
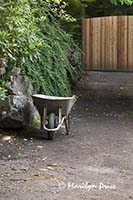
(53, 103)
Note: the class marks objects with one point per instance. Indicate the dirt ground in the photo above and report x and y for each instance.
(94, 162)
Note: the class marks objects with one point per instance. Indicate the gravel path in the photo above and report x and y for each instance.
(94, 162)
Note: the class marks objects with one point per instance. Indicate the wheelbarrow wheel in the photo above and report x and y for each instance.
(51, 125)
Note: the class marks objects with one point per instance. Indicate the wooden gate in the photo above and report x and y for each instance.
(108, 43)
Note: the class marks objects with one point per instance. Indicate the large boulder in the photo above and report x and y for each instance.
(16, 112)
(19, 87)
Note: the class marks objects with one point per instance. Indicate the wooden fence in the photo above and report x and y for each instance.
(108, 43)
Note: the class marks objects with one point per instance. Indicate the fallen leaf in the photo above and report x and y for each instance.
(43, 169)
(45, 158)
(48, 167)
(21, 180)
(52, 165)
(28, 178)
(40, 147)
(36, 175)
(50, 177)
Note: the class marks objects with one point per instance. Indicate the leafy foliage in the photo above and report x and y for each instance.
(106, 8)
(127, 2)
(3, 91)
(31, 38)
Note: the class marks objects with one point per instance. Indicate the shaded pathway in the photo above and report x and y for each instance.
(96, 158)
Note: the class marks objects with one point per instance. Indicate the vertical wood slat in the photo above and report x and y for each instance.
(130, 43)
(114, 43)
(122, 42)
(96, 43)
(106, 43)
(102, 43)
(90, 55)
(109, 43)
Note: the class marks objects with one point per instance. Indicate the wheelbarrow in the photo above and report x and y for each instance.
(54, 111)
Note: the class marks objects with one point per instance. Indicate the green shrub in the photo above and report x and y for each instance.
(32, 38)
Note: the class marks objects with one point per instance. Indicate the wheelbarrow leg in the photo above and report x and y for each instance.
(42, 121)
(67, 124)
(43, 118)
